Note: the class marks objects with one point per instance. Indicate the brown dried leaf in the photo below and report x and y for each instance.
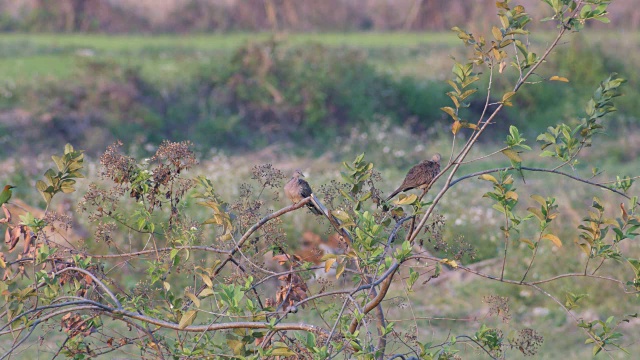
(7, 215)
(281, 259)
(29, 243)
(13, 238)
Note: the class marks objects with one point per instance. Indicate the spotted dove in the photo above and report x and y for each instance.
(420, 176)
(297, 189)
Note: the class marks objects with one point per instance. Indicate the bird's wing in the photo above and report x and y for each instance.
(415, 177)
(433, 169)
(305, 189)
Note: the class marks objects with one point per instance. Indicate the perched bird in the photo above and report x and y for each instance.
(297, 189)
(420, 176)
(5, 195)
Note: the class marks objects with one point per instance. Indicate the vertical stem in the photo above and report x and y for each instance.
(506, 244)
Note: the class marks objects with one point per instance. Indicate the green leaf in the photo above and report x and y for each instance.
(58, 161)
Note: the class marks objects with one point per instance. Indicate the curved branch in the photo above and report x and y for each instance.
(257, 226)
(515, 282)
(55, 306)
(540, 170)
(385, 279)
(223, 326)
(41, 320)
(94, 278)
(144, 252)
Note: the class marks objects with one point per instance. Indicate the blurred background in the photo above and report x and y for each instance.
(243, 75)
(309, 84)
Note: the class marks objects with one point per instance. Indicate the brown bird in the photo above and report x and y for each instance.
(297, 189)
(420, 176)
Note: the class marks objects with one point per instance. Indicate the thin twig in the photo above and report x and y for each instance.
(540, 170)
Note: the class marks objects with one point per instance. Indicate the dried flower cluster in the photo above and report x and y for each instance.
(116, 166)
(528, 341)
(498, 305)
(267, 176)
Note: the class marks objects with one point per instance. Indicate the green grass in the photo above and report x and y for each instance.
(25, 57)
(122, 43)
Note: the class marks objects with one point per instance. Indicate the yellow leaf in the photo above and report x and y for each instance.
(328, 263)
(488, 177)
(340, 270)
(496, 33)
(456, 126)
(508, 95)
(451, 111)
(406, 200)
(187, 319)
(206, 292)
(166, 285)
(503, 64)
(511, 195)
(512, 155)
(584, 246)
(554, 239)
(225, 237)
(558, 78)
(537, 213)
(207, 280)
(193, 298)
(539, 199)
(341, 215)
(451, 263)
(327, 256)
(528, 242)
(282, 351)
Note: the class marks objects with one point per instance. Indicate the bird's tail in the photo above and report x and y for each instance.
(316, 206)
(392, 195)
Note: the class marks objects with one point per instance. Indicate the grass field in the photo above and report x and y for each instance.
(26, 56)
